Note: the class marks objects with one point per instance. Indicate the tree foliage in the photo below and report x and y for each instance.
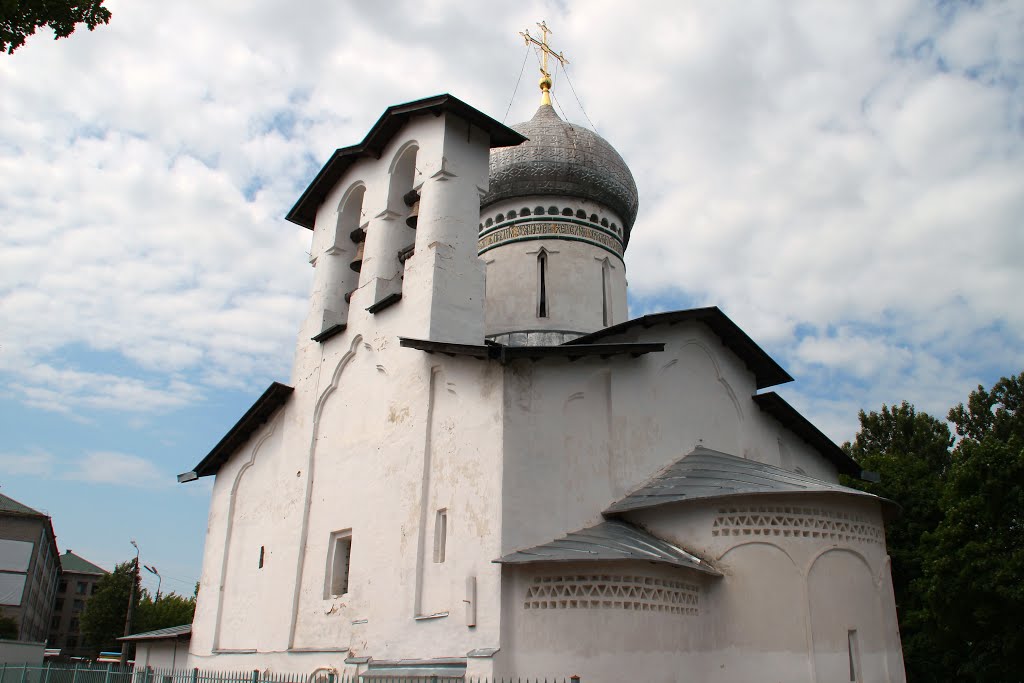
(102, 622)
(170, 610)
(104, 616)
(958, 547)
(20, 18)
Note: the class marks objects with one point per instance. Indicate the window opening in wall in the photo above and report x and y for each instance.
(440, 535)
(606, 303)
(542, 285)
(854, 651)
(263, 550)
(339, 562)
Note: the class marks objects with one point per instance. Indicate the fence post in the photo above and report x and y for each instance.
(195, 675)
(24, 672)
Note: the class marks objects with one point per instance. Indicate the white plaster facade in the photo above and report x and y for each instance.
(357, 515)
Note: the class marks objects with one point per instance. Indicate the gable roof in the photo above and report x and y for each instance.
(791, 419)
(706, 474)
(69, 562)
(8, 504)
(272, 399)
(609, 540)
(393, 118)
(766, 371)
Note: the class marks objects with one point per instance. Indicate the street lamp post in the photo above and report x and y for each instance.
(125, 645)
(159, 579)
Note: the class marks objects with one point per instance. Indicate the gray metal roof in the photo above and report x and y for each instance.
(562, 159)
(8, 504)
(162, 633)
(705, 473)
(766, 371)
(609, 540)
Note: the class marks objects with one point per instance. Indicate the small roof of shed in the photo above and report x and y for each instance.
(393, 118)
(609, 540)
(169, 633)
(705, 474)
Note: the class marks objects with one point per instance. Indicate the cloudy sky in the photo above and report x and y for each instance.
(844, 179)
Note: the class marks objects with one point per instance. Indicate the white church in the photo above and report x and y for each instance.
(481, 466)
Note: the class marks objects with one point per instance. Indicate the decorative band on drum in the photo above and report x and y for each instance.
(548, 230)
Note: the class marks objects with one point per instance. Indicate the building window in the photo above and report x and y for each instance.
(854, 652)
(78, 605)
(63, 587)
(606, 293)
(440, 535)
(72, 641)
(94, 587)
(59, 605)
(339, 563)
(54, 623)
(542, 284)
(81, 587)
(73, 624)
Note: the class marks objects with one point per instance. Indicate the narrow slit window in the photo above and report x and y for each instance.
(339, 563)
(263, 551)
(606, 299)
(854, 651)
(440, 535)
(542, 284)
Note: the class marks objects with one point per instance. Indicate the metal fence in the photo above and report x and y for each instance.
(86, 672)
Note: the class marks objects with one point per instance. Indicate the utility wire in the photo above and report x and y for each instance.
(569, 80)
(522, 69)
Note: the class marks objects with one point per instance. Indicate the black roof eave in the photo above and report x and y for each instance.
(393, 118)
(272, 399)
(791, 419)
(506, 354)
(766, 371)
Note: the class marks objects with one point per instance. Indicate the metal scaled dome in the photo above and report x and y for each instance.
(560, 158)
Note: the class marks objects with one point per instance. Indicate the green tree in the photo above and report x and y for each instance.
(974, 560)
(8, 628)
(102, 622)
(910, 452)
(170, 610)
(20, 18)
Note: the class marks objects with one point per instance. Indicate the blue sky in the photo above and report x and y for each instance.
(845, 180)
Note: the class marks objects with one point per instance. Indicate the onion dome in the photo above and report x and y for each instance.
(562, 159)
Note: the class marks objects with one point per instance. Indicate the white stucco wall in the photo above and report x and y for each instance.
(580, 435)
(170, 654)
(374, 441)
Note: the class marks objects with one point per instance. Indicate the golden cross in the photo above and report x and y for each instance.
(545, 50)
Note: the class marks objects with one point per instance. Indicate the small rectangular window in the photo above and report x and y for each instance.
(63, 587)
(80, 588)
(263, 550)
(440, 534)
(338, 563)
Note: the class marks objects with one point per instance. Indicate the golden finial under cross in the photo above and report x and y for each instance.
(545, 50)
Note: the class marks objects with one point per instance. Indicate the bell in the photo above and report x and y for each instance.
(357, 262)
(413, 215)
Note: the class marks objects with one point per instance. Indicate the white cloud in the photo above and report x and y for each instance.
(121, 469)
(36, 463)
(848, 170)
